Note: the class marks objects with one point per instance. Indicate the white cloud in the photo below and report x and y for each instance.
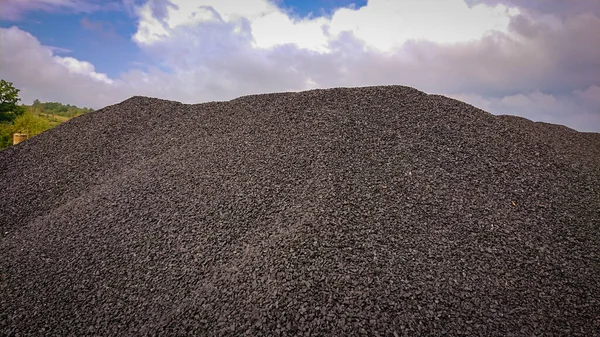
(22, 47)
(536, 98)
(383, 24)
(309, 34)
(387, 24)
(82, 68)
(153, 28)
(150, 29)
(58, 50)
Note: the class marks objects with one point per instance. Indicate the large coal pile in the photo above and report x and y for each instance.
(378, 211)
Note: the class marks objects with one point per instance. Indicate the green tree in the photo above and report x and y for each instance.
(9, 97)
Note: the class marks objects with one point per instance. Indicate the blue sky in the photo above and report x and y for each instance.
(320, 7)
(535, 59)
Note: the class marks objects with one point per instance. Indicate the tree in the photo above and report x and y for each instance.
(9, 97)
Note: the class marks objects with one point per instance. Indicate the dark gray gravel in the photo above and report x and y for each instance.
(380, 211)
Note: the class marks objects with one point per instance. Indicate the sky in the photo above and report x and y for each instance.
(538, 59)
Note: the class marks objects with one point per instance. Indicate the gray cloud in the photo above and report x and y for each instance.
(13, 10)
(102, 29)
(571, 110)
(160, 8)
(562, 8)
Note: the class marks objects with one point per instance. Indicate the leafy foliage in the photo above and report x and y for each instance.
(9, 97)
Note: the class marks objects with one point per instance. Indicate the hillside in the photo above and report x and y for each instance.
(37, 118)
(375, 210)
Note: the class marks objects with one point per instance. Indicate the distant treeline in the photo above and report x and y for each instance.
(59, 109)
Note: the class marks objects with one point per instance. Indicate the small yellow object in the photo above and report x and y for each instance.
(514, 203)
(384, 186)
(19, 137)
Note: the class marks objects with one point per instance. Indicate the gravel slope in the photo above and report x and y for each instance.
(381, 211)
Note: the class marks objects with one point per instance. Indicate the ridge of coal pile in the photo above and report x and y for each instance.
(375, 210)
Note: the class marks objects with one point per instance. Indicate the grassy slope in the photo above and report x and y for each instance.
(43, 120)
(52, 119)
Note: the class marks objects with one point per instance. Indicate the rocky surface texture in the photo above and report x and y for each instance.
(380, 211)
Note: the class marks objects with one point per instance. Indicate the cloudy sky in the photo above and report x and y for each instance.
(539, 59)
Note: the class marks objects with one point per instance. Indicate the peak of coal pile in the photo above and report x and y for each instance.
(381, 211)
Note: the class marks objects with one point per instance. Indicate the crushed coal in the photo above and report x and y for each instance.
(380, 211)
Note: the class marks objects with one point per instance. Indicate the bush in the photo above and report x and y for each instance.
(26, 123)
(31, 124)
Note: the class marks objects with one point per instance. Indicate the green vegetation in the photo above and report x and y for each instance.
(32, 120)
(9, 97)
(58, 109)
